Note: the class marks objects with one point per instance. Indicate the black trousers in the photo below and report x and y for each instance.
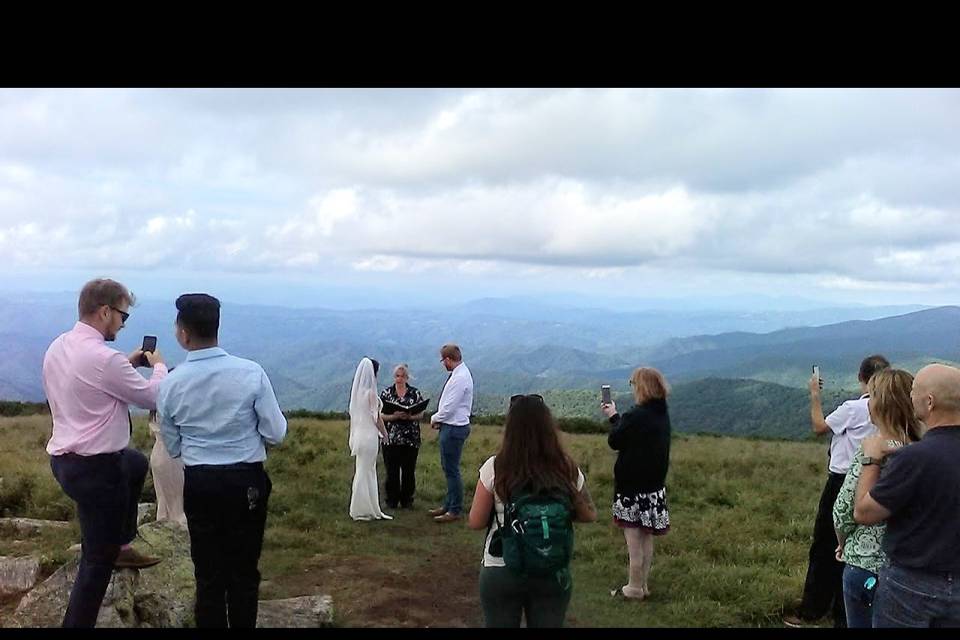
(106, 488)
(226, 509)
(823, 588)
(401, 463)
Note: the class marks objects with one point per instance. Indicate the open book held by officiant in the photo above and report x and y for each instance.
(414, 409)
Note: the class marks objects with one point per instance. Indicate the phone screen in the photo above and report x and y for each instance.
(605, 394)
(149, 343)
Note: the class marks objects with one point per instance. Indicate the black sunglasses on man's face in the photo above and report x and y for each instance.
(123, 314)
(515, 397)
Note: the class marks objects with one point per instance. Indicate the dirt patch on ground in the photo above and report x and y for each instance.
(368, 591)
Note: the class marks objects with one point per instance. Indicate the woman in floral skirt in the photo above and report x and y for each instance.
(641, 436)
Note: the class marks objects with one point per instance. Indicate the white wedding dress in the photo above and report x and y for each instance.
(167, 480)
(365, 408)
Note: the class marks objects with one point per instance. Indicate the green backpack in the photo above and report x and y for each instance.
(537, 534)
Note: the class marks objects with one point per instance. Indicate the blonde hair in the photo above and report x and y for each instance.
(648, 384)
(891, 405)
(402, 365)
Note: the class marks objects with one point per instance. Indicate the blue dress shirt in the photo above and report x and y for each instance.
(218, 409)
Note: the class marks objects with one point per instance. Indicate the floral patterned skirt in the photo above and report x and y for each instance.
(647, 511)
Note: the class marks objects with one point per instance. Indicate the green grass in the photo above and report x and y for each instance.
(741, 515)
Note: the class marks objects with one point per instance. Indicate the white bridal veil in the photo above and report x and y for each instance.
(365, 405)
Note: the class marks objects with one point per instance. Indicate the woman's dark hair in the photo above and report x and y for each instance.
(531, 456)
(870, 365)
(376, 365)
(199, 313)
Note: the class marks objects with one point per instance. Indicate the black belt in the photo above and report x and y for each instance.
(92, 456)
(237, 466)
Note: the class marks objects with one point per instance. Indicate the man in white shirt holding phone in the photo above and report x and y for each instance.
(848, 425)
(453, 420)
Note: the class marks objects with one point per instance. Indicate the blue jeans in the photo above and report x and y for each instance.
(857, 599)
(451, 448)
(915, 598)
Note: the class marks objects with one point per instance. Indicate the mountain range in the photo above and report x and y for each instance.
(515, 346)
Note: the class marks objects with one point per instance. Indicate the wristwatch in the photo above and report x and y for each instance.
(868, 460)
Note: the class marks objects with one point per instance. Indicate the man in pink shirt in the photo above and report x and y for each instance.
(89, 387)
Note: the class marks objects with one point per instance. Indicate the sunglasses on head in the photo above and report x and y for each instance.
(517, 396)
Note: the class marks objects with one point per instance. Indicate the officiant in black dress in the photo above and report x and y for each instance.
(403, 439)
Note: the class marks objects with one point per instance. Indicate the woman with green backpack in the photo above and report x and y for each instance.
(528, 496)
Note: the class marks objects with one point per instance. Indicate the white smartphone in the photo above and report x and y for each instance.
(605, 394)
(816, 371)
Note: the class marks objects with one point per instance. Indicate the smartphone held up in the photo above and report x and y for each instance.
(149, 344)
(816, 373)
(605, 397)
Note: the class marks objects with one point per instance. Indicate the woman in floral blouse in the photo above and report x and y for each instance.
(403, 440)
(891, 411)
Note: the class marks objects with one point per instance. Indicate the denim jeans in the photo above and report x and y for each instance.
(857, 598)
(106, 488)
(915, 598)
(451, 449)
(226, 508)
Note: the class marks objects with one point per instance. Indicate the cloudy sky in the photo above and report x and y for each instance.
(317, 196)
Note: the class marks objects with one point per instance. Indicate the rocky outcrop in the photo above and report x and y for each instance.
(300, 613)
(146, 512)
(161, 596)
(17, 575)
(24, 527)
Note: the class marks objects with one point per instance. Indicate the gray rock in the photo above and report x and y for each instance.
(17, 574)
(146, 512)
(299, 613)
(159, 596)
(21, 527)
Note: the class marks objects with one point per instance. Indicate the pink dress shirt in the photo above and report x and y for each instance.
(89, 386)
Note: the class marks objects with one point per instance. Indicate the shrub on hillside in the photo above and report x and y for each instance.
(581, 425)
(319, 415)
(10, 408)
(15, 495)
(569, 425)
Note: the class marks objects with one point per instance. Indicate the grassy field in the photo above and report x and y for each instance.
(741, 514)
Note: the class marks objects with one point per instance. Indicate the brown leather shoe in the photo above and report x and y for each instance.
(447, 517)
(798, 622)
(439, 511)
(130, 558)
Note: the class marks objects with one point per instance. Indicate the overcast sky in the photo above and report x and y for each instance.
(265, 195)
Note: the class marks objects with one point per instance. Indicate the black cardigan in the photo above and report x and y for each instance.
(642, 438)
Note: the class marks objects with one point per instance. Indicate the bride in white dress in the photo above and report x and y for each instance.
(366, 430)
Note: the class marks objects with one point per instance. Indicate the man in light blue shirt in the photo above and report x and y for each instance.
(218, 412)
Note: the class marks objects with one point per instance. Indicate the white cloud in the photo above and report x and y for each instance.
(851, 186)
(378, 263)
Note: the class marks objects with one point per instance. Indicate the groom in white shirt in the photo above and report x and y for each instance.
(453, 420)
